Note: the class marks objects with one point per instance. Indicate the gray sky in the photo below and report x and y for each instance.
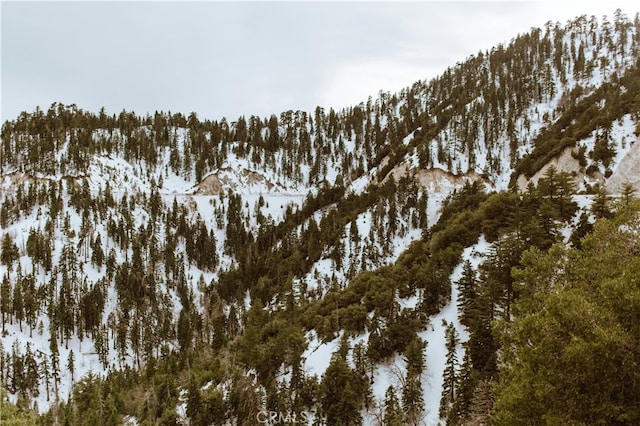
(251, 58)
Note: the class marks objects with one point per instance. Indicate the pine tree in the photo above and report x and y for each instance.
(97, 254)
(414, 357)
(600, 206)
(71, 365)
(465, 390)
(31, 372)
(342, 393)
(566, 189)
(6, 304)
(412, 399)
(9, 252)
(18, 301)
(627, 192)
(583, 228)
(392, 412)
(450, 372)
(45, 374)
(194, 402)
(467, 292)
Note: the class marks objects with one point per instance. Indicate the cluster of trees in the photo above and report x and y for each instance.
(64, 271)
(144, 248)
(343, 392)
(15, 415)
(296, 146)
(570, 353)
(290, 248)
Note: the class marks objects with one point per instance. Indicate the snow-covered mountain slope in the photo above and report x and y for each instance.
(129, 242)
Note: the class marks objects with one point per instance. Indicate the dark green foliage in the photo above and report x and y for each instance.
(467, 293)
(413, 400)
(450, 374)
(627, 192)
(393, 415)
(426, 265)
(268, 342)
(39, 249)
(557, 188)
(9, 251)
(582, 229)
(466, 387)
(498, 211)
(15, 414)
(601, 206)
(342, 393)
(565, 356)
(604, 148)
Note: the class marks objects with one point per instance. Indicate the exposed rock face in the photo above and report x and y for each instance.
(223, 179)
(435, 179)
(627, 171)
(563, 163)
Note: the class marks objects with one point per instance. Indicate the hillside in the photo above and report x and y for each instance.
(352, 266)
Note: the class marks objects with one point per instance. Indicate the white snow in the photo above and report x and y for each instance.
(318, 355)
(436, 351)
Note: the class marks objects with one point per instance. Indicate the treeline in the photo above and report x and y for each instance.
(484, 104)
(298, 146)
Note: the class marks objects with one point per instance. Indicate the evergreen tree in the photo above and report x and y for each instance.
(392, 412)
(12, 415)
(414, 357)
(412, 400)
(97, 254)
(627, 192)
(467, 293)
(600, 206)
(583, 228)
(18, 302)
(465, 391)
(9, 251)
(342, 392)
(450, 374)
(6, 304)
(71, 365)
(194, 402)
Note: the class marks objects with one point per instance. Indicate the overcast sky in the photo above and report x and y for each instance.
(247, 58)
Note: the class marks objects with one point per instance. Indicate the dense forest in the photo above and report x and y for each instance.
(378, 264)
